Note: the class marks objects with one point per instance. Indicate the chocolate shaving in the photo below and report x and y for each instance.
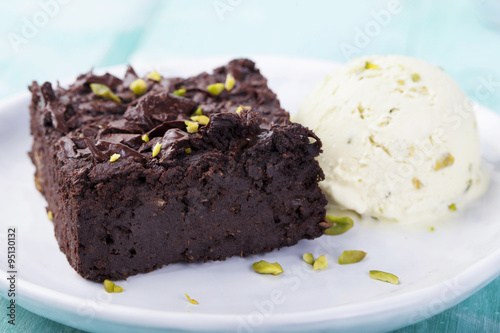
(83, 81)
(103, 150)
(55, 108)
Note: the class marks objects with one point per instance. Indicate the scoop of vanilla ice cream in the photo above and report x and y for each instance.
(399, 137)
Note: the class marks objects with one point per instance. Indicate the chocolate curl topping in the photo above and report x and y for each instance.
(151, 110)
(102, 150)
(55, 108)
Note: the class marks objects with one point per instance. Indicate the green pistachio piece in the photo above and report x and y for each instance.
(415, 77)
(369, 65)
(117, 289)
(203, 120)
(264, 267)
(243, 107)
(385, 277)
(104, 91)
(188, 150)
(110, 287)
(145, 138)
(452, 207)
(444, 161)
(114, 157)
(50, 215)
(191, 126)
(320, 263)
(139, 87)
(308, 257)
(154, 76)
(351, 257)
(215, 89)
(198, 112)
(156, 149)
(180, 92)
(339, 225)
(190, 300)
(230, 82)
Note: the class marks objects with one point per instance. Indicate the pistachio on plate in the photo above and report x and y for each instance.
(308, 257)
(264, 267)
(320, 263)
(339, 225)
(111, 287)
(190, 300)
(384, 276)
(351, 257)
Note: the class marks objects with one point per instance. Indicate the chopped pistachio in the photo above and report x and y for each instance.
(108, 286)
(243, 107)
(308, 257)
(139, 87)
(191, 126)
(111, 287)
(469, 184)
(385, 277)
(417, 183)
(204, 120)
(198, 112)
(264, 267)
(117, 289)
(230, 81)
(431, 229)
(50, 215)
(339, 225)
(452, 207)
(155, 76)
(104, 91)
(156, 149)
(445, 161)
(190, 300)
(401, 82)
(320, 263)
(145, 138)
(114, 157)
(369, 65)
(415, 77)
(215, 89)
(180, 92)
(188, 150)
(351, 257)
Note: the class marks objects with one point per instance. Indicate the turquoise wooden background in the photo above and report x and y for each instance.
(462, 36)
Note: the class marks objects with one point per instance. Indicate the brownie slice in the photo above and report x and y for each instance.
(243, 183)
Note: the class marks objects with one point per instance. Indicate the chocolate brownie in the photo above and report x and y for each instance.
(134, 182)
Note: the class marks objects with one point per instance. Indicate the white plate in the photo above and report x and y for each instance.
(436, 269)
